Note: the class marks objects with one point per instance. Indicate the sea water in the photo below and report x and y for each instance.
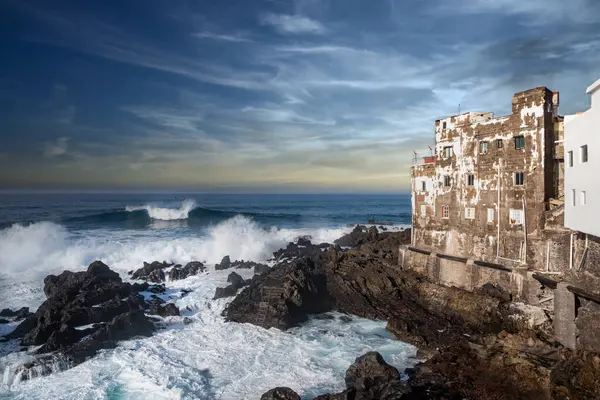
(47, 233)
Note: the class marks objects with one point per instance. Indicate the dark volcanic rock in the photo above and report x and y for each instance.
(191, 268)
(494, 291)
(280, 393)
(85, 312)
(156, 289)
(167, 310)
(261, 268)
(282, 297)
(147, 269)
(235, 279)
(303, 248)
(156, 276)
(368, 366)
(224, 264)
(359, 235)
(237, 282)
(4, 321)
(17, 315)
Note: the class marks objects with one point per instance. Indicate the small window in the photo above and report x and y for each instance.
(445, 212)
(444, 125)
(519, 178)
(584, 153)
(519, 142)
(483, 146)
(470, 179)
(490, 215)
(516, 217)
(499, 143)
(447, 180)
(423, 185)
(469, 213)
(571, 158)
(582, 198)
(447, 151)
(423, 210)
(573, 197)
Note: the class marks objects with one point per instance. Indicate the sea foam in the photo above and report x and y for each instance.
(166, 214)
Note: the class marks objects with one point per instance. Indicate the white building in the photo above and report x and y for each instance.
(582, 167)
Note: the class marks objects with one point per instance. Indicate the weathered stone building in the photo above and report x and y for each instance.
(487, 191)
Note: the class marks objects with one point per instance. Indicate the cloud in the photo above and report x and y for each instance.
(56, 149)
(292, 24)
(236, 38)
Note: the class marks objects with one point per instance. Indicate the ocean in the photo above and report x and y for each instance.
(46, 233)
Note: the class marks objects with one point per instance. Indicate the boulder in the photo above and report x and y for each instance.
(367, 367)
(280, 393)
(191, 268)
(224, 264)
(261, 268)
(235, 279)
(303, 248)
(167, 310)
(156, 276)
(147, 269)
(17, 314)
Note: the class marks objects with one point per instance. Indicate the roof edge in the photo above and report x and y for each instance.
(593, 87)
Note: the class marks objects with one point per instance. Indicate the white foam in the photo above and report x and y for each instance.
(212, 359)
(166, 214)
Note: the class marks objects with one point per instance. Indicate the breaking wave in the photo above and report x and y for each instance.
(167, 214)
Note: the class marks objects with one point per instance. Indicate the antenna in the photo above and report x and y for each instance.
(430, 150)
(459, 108)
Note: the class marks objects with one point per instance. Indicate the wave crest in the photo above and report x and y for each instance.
(166, 214)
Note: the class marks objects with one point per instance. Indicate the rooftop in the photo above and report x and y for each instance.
(593, 87)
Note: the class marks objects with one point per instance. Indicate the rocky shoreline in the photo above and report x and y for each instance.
(476, 345)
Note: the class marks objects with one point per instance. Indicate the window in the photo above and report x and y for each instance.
(516, 217)
(483, 147)
(571, 158)
(490, 212)
(445, 212)
(584, 153)
(447, 180)
(519, 178)
(519, 142)
(582, 198)
(423, 185)
(470, 179)
(499, 143)
(469, 213)
(423, 210)
(447, 151)
(444, 125)
(573, 197)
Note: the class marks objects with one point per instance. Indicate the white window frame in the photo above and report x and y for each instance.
(423, 210)
(518, 138)
(445, 212)
(447, 152)
(516, 216)
(469, 213)
(490, 215)
(582, 198)
(520, 174)
(483, 147)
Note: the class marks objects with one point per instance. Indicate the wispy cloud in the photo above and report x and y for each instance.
(57, 148)
(235, 38)
(292, 24)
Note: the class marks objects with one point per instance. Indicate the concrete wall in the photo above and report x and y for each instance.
(580, 130)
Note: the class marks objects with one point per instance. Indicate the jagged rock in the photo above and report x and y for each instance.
(156, 276)
(283, 297)
(261, 268)
(369, 366)
(303, 248)
(147, 269)
(156, 289)
(359, 235)
(94, 304)
(235, 279)
(167, 310)
(4, 321)
(191, 268)
(224, 264)
(280, 393)
(17, 315)
(187, 321)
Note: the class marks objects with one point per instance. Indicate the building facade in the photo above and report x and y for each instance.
(487, 191)
(582, 154)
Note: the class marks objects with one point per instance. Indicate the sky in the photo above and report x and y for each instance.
(267, 95)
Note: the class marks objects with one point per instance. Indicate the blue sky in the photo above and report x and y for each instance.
(271, 95)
